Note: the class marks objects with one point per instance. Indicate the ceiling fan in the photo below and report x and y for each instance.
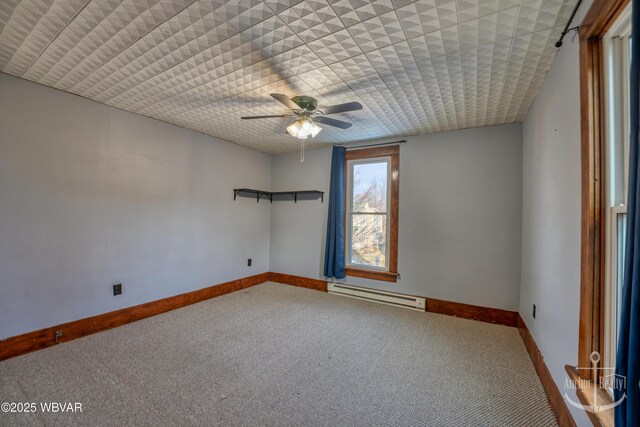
(305, 108)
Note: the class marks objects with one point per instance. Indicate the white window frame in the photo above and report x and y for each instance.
(349, 213)
(616, 53)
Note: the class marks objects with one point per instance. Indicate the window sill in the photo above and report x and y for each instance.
(586, 396)
(371, 274)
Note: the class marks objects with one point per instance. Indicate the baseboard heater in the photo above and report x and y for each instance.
(374, 295)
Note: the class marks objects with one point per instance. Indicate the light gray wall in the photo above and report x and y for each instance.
(551, 215)
(91, 196)
(459, 223)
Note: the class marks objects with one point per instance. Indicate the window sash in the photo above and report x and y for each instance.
(616, 230)
(350, 214)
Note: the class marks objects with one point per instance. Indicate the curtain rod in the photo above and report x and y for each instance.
(566, 27)
(377, 145)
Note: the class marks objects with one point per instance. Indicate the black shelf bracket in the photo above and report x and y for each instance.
(259, 194)
(269, 194)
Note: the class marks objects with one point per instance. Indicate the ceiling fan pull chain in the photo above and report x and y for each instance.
(301, 150)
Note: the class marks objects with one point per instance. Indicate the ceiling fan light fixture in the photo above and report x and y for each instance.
(303, 128)
(315, 129)
(293, 129)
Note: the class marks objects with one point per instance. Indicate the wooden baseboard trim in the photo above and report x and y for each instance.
(473, 312)
(36, 340)
(303, 282)
(558, 405)
(449, 308)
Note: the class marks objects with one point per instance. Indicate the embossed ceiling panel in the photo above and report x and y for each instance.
(415, 66)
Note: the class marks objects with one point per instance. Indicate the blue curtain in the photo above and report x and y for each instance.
(628, 355)
(334, 249)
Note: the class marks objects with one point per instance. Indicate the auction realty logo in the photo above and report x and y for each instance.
(605, 382)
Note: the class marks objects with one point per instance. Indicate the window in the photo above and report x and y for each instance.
(371, 220)
(602, 210)
(617, 50)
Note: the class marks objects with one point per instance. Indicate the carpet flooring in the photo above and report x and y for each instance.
(276, 355)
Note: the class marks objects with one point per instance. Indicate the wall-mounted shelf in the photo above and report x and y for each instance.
(269, 194)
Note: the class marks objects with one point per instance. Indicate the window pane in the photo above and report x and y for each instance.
(369, 240)
(370, 187)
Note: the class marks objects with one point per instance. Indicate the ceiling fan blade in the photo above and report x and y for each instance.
(341, 108)
(284, 99)
(267, 117)
(332, 122)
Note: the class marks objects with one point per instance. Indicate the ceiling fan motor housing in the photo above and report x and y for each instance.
(307, 103)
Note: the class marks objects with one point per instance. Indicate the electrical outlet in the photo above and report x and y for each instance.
(534, 311)
(249, 262)
(117, 289)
